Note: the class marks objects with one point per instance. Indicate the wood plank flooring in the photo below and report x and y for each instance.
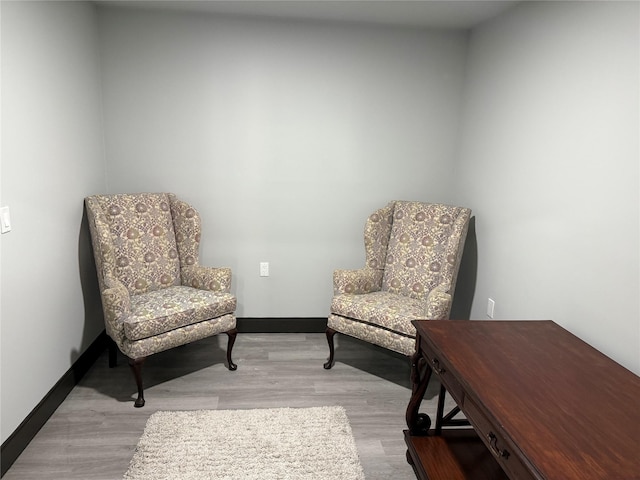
(93, 433)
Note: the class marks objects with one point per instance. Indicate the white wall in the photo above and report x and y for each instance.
(549, 163)
(52, 156)
(284, 135)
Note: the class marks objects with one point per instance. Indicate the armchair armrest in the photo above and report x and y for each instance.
(216, 279)
(360, 281)
(438, 304)
(116, 304)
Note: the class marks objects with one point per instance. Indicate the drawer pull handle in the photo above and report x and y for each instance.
(435, 364)
(493, 440)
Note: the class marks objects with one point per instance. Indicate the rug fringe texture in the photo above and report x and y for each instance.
(267, 444)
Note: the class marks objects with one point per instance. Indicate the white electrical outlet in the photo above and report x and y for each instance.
(264, 269)
(491, 306)
(5, 220)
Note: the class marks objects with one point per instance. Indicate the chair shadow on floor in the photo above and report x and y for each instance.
(378, 361)
(385, 364)
(160, 368)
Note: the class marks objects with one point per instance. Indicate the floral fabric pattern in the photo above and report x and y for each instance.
(373, 334)
(376, 239)
(155, 295)
(207, 278)
(388, 310)
(376, 236)
(170, 308)
(186, 222)
(177, 337)
(143, 239)
(364, 280)
(413, 253)
(423, 248)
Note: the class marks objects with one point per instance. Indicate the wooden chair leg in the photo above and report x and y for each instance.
(232, 339)
(330, 332)
(136, 368)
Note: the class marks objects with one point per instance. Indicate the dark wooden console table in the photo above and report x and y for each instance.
(540, 404)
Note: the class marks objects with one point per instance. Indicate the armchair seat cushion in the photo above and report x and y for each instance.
(161, 311)
(386, 310)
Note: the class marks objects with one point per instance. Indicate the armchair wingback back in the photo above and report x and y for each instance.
(422, 253)
(137, 241)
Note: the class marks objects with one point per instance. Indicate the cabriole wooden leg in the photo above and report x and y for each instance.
(330, 332)
(136, 368)
(232, 339)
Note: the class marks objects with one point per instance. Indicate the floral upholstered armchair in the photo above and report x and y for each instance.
(413, 253)
(155, 295)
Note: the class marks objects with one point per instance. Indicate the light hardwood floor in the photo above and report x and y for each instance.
(93, 433)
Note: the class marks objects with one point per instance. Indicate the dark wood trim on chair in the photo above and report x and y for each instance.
(13, 446)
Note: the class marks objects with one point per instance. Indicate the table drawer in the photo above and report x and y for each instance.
(503, 451)
(441, 369)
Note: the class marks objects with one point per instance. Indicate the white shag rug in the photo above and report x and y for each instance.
(267, 444)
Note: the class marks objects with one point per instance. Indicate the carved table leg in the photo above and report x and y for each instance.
(418, 423)
(440, 410)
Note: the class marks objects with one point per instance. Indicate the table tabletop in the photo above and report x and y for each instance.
(572, 411)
